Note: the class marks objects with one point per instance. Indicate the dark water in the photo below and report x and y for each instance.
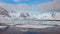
(13, 30)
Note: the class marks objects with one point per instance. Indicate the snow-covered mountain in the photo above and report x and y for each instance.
(4, 12)
(4, 16)
(26, 15)
(44, 16)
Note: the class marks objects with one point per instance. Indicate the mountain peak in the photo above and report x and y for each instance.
(4, 12)
(24, 15)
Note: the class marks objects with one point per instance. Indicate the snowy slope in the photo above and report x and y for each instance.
(25, 15)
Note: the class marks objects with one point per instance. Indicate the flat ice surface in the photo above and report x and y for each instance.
(34, 26)
(3, 27)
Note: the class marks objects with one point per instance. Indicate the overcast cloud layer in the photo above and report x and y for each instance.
(48, 6)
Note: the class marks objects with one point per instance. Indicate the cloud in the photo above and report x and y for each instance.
(16, 0)
(11, 7)
(48, 6)
(20, 0)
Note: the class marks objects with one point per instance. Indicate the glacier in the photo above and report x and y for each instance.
(27, 20)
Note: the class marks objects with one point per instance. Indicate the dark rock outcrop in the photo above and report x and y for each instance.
(24, 15)
(4, 12)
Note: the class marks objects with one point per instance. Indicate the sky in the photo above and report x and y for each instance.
(28, 2)
(31, 6)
